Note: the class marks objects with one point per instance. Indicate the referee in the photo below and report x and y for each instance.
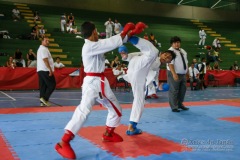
(45, 69)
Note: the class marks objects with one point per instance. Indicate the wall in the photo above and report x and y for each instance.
(142, 8)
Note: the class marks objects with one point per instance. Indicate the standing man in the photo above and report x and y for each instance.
(109, 28)
(138, 68)
(177, 70)
(117, 27)
(63, 22)
(202, 36)
(95, 87)
(45, 69)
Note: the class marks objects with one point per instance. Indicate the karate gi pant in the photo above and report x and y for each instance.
(90, 92)
(138, 69)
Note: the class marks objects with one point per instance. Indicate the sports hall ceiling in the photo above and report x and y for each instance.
(213, 4)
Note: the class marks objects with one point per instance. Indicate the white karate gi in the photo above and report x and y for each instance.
(202, 36)
(153, 75)
(109, 28)
(138, 68)
(94, 62)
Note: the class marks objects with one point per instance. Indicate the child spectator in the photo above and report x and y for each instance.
(58, 64)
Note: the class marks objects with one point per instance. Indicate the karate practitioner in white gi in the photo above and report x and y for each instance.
(95, 86)
(202, 36)
(138, 68)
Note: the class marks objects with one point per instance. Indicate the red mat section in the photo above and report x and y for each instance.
(6, 151)
(231, 119)
(133, 146)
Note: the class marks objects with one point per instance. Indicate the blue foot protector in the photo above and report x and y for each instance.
(135, 131)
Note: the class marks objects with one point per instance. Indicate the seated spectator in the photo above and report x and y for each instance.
(31, 59)
(146, 36)
(193, 76)
(216, 44)
(216, 66)
(234, 66)
(58, 64)
(107, 63)
(119, 72)
(216, 54)
(152, 39)
(16, 14)
(72, 30)
(42, 32)
(11, 63)
(115, 62)
(35, 32)
(36, 17)
(18, 58)
(208, 66)
(209, 56)
(71, 19)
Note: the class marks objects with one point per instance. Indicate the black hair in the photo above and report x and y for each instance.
(87, 28)
(171, 52)
(175, 39)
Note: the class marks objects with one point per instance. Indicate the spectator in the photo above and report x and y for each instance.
(152, 39)
(107, 63)
(31, 59)
(18, 57)
(42, 32)
(16, 14)
(209, 55)
(216, 44)
(36, 17)
(146, 36)
(119, 73)
(115, 62)
(58, 64)
(35, 32)
(11, 63)
(216, 54)
(208, 66)
(109, 28)
(216, 66)
(71, 19)
(202, 71)
(63, 22)
(193, 76)
(202, 36)
(117, 27)
(234, 66)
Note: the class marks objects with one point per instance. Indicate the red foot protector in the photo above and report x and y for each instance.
(231, 119)
(144, 144)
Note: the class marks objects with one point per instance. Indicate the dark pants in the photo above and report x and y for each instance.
(47, 84)
(201, 77)
(125, 82)
(177, 90)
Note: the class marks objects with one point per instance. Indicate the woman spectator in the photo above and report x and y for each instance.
(216, 66)
(11, 63)
(208, 66)
(115, 62)
(42, 32)
(31, 58)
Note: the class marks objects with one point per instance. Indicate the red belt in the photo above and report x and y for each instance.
(102, 88)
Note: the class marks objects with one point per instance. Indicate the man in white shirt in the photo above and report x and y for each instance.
(58, 64)
(45, 69)
(95, 86)
(193, 76)
(16, 14)
(202, 36)
(109, 28)
(117, 27)
(176, 74)
(119, 73)
(216, 44)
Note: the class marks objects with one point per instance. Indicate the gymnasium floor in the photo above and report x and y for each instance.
(208, 131)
